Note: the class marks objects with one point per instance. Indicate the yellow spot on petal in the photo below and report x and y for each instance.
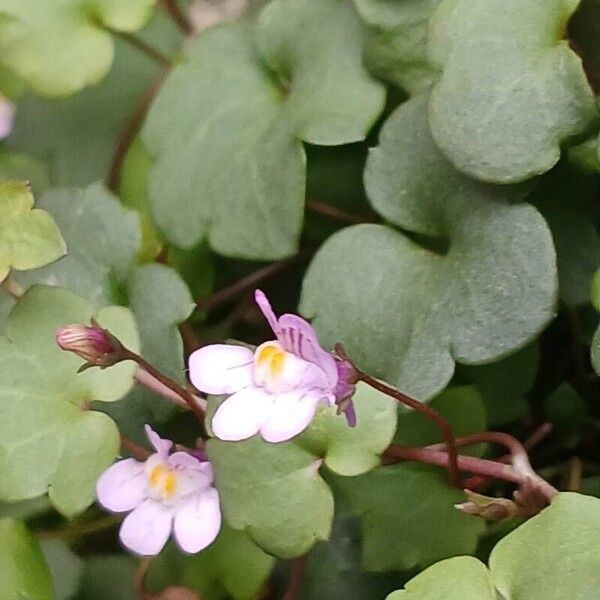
(170, 484)
(266, 354)
(155, 475)
(277, 362)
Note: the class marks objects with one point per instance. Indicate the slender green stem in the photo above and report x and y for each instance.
(150, 51)
(12, 288)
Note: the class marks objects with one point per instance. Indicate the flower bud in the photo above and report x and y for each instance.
(492, 509)
(94, 344)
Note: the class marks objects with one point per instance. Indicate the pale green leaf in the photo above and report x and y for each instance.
(24, 574)
(226, 133)
(554, 555)
(478, 282)
(273, 492)
(231, 567)
(504, 384)
(160, 301)
(461, 406)
(102, 238)
(29, 238)
(459, 578)
(396, 46)
(353, 450)
(512, 90)
(78, 136)
(60, 49)
(408, 517)
(43, 396)
(65, 567)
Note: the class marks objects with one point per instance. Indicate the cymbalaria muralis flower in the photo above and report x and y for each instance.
(276, 388)
(167, 492)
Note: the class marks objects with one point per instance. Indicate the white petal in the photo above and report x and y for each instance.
(242, 414)
(122, 486)
(161, 445)
(291, 414)
(221, 368)
(198, 521)
(146, 530)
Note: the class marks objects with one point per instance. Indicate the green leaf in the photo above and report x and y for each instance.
(48, 441)
(503, 384)
(22, 167)
(78, 136)
(478, 282)
(65, 567)
(459, 578)
(567, 200)
(29, 238)
(224, 125)
(586, 155)
(395, 502)
(512, 90)
(24, 574)
(396, 46)
(160, 301)
(273, 492)
(59, 50)
(462, 407)
(554, 555)
(102, 238)
(231, 567)
(347, 450)
(109, 576)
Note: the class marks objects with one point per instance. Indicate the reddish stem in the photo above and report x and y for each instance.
(138, 452)
(298, 570)
(333, 212)
(179, 18)
(451, 457)
(250, 281)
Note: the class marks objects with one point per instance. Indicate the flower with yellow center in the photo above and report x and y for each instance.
(167, 492)
(275, 390)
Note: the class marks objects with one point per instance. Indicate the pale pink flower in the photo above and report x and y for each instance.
(275, 389)
(167, 492)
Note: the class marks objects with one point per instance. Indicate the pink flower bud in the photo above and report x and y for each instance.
(94, 344)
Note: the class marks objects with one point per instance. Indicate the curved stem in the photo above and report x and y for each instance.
(138, 452)
(147, 380)
(334, 212)
(187, 396)
(179, 18)
(250, 281)
(451, 457)
(295, 584)
(150, 51)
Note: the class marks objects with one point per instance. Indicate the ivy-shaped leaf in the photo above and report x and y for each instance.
(102, 238)
(475, 281)
(77, 136)
(231, 567)
(274, 493)
(47, 442)
(503, 384)
(60, 49)
(347, 450)
(512, 90)
(552, 556)
(65, 567)
(24, 574)
(395, 502)
(226, 134)
(160, 301)
(396, 47)
(29, 238)
(459, 578)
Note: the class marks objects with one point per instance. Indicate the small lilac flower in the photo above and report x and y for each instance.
(7, 117)
(276, 388)
(164, 493)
